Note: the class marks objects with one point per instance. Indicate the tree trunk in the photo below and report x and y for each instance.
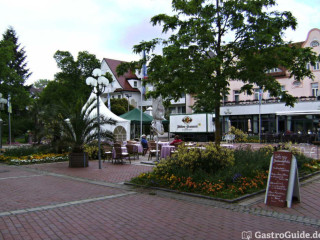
(218, 125)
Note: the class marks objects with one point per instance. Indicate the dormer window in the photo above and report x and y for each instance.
(274, 70)
(314, 43)
(135, 84)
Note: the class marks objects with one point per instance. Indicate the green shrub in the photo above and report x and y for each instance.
(92, 150)
(240, 136)
(210, 160)
(219, 172)
(28, 150)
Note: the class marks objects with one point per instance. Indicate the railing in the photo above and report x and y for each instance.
(269, 100)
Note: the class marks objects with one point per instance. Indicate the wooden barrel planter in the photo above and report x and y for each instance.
(77, 160)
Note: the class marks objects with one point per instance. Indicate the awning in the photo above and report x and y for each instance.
(290, 113)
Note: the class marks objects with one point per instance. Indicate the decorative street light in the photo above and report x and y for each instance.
(2, 103)
(99, 83)
(128, 96)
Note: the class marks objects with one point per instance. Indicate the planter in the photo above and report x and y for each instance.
(78, 160)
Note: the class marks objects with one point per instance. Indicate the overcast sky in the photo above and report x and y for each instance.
(106, 28)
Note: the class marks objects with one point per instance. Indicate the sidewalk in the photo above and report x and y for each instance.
(52, 201)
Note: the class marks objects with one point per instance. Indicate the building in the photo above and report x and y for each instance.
(129, 86)
(245, 111)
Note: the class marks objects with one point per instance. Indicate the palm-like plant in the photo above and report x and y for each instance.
(79, 125)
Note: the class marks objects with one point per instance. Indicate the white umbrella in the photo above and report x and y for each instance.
(249, 125)
(229, 125)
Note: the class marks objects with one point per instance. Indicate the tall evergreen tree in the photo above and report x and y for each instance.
(18, 63)
(13, 74)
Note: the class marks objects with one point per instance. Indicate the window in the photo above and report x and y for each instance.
(225, 98)
(274, 70)
(172, 110)
(236, 95)
(256, 94)
(314, 89)
(316, 67)
(135, 84)
(283, 88)
(182, 109)
(314, 43)
(119, 96)
(308, 66)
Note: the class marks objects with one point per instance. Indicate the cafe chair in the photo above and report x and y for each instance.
(107, 153)
(152, 150)
(120, 155)
(132, 150)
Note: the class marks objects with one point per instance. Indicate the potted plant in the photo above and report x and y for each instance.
(80, 127)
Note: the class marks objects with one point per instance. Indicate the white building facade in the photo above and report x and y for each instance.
(129, 86)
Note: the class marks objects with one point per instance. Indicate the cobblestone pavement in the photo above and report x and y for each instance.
(52, 201)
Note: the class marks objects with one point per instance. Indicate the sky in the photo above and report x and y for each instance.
(106, 28)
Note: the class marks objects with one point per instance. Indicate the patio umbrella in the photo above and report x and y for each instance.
(249, 125)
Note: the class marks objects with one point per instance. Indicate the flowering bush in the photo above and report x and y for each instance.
(42, 158)
(92, 151)
(233, 172)
(211, 159)
(217, 188)
(240, 136)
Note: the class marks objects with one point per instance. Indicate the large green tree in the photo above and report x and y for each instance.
(215, 41)
(13, 71)
(67, 89)
(69, 84)
(13, 74)
(18, 63)
(119, 106)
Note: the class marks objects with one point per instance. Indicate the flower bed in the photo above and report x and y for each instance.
(228, 180)
(36, 158)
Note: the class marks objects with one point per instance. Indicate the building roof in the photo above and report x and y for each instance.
(123, 80)
(135, 116)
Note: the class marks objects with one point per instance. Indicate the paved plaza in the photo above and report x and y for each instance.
(52, 201)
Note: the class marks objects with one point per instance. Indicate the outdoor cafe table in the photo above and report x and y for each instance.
(163, 143)
(123, 149)
(165, 151)
(139, 146)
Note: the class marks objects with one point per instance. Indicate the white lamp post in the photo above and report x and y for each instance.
(2, 103)
(99, 83)
(128, 96)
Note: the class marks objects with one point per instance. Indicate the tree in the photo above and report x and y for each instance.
(213, 42)
(13, 72)
(70, 83)
(67, 89)
(41, 83)
(79, 127)
(120, 106)
(18, 63)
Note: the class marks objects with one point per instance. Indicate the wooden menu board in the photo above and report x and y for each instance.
(278, 181)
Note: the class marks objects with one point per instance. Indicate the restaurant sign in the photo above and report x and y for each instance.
(283, 181)
(191, 123)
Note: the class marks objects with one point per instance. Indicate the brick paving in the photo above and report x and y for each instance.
(52, 201)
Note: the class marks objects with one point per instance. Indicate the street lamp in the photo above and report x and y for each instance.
(128, 96)
(2, 103)
(99, 83)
